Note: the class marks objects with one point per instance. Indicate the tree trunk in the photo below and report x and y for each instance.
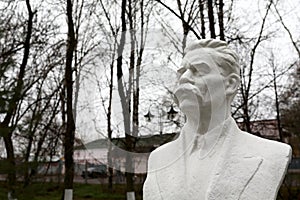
(29, 146)
(221, 20)
(201, 9)
(11, 177)
(70, 129)
(109, 130)
(211, 18)
(124, 100)
(136, 92)
(277, 103)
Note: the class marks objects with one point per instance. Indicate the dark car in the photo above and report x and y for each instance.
(99, 171)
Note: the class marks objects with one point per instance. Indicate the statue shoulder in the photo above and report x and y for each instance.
(268, 148)
(275, 158)
(161, 156)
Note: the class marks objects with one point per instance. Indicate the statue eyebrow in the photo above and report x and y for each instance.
(201, 66)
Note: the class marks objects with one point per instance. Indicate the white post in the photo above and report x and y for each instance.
(68, 194)
(130, 196)
(9, 196)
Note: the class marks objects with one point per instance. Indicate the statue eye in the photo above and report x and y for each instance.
(201, 69)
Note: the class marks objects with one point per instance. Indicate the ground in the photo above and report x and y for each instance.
(82, 191)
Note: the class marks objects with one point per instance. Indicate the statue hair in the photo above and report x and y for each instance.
(224, 57)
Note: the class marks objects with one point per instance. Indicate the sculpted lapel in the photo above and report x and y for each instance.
(232, 177)
(234, 170)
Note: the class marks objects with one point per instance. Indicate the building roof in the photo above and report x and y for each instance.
(140, 144)
(96, 144)
(267, 128)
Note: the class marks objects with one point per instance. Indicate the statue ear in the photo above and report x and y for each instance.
(232, 82)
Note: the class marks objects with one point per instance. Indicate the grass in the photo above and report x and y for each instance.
(52, 191)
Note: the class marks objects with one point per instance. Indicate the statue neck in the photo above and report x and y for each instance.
(203, 122)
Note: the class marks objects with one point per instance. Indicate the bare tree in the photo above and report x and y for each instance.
(70, 129)
(108, 111)
(289, 101)
(192, 15)
(134, 22)
(289, 120)
(276, 98)
(14, 101)
(187, 15)
(247, 73)
(287, 29)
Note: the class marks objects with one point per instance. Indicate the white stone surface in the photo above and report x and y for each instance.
(213, 159)
(68, 194)
(130, 195)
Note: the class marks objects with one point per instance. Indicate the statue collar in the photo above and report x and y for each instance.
(206, 143)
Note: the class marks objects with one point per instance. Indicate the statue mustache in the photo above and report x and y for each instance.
(188, 89)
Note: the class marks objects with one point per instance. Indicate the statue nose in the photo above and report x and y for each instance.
(186, 77)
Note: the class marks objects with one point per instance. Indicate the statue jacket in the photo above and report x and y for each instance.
(249, 168)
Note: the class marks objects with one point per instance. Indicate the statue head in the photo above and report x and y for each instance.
(209, 75)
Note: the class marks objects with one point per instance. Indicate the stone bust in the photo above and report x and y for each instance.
(213, 159)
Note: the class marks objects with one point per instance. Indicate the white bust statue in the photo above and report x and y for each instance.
(213, 159)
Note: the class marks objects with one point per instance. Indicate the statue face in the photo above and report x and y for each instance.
(200, 82)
